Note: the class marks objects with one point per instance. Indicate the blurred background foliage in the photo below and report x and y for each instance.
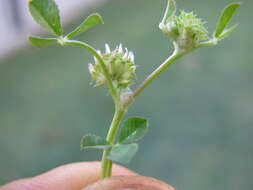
(200, 110)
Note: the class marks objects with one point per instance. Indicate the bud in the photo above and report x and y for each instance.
(170, 29)
(120, 65)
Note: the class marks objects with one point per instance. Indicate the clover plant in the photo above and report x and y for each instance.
(115, 68)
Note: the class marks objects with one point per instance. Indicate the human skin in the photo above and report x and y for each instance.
(73, 176)
(129, 183)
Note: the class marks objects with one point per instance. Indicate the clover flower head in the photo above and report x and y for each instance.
(120, 66)
(186, 29)
(190, 23)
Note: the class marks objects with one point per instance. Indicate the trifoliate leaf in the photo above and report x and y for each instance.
(133, 130)
(93, 141)
(41, 42)
(123, 153)
(89, 22)
(226, 16)
(46, 13)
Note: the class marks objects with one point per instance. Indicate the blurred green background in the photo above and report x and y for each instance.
(201, 110)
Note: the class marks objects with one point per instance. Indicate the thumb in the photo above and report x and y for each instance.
(73, 176)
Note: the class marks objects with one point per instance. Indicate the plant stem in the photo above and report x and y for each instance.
(121, 108)
(112, 90)
(119, 113)
(150, 78)
(106, 170)
(211, 42)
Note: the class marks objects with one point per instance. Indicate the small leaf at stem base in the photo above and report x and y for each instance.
(123, 153)
(134, 129)
(93, 141)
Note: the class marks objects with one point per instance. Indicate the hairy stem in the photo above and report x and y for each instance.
(119, 113)
(151, 77)
(106, 170)
(120, 110)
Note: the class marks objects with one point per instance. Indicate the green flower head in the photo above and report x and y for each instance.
(120, 65)
(191, 24)
(186, 29)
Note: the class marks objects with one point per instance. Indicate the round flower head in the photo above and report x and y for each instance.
(186, 29)
(120, 65)
(191, 28)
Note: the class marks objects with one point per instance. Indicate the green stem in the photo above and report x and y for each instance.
(119, 113)
(169, 61)
(106, 170)
(150, 78)
(211, 42)
(112, 90)
(121, 108)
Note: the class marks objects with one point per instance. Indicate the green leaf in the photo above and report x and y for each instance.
(228, 32)
(226, 16)
(89, 22)
(134, 129)
(123, 153)
(93, 141)
(41, 42)
(170, 10)
(46, 13)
